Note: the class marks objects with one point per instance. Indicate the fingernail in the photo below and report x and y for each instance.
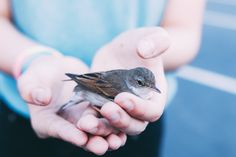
(146, 48)
(114, 117)
(40, 96)
(128, 105)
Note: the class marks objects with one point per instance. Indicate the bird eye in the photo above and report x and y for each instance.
(140, 83)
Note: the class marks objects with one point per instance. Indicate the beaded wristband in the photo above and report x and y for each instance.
(25, 58)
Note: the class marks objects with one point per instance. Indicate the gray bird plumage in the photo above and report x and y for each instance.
(101, 87)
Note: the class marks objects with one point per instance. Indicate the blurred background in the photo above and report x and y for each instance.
(201, 120)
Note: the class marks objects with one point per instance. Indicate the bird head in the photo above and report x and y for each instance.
(142, 82)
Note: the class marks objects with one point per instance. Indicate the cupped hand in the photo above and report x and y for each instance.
(135, 48)
(41, 86)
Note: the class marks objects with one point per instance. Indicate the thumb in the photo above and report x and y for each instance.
(32, 91)
(153, 45)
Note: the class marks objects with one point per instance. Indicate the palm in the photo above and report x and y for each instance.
(51, 73)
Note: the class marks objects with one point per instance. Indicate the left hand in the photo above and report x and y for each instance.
(135, 48)
(82, 126)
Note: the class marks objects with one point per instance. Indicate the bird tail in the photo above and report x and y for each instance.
(68, 104)
(73, 77)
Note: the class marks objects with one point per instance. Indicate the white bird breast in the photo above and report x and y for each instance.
(143, 92)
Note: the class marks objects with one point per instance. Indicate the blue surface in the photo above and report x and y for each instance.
(201, 121)
(222, 8)
(218, 51)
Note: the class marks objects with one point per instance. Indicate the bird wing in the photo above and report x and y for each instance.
(97, 82)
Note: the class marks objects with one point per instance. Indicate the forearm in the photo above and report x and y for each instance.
(12, 43)
(183, 20)
(184, 47)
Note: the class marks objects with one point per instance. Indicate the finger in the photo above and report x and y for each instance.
(153, 45)
(114, 142)
(95, 126)
(57, 127)
(118, 118)
(97, 145)
(123, 138)
(147, 110)
(32, 91)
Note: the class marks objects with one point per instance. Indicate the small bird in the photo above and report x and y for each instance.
(101, 87)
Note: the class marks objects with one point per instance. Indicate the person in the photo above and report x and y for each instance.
(43, 40)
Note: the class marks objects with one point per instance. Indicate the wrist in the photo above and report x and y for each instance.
(25, 58)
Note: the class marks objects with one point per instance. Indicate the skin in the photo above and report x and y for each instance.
(168, 47)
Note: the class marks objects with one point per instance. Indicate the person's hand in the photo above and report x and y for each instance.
(42, 87)
(135, 48)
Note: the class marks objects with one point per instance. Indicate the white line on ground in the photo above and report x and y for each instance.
(217, 19)
(208, 78)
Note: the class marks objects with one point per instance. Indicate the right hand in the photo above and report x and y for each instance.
(129, 113)
(41, 86)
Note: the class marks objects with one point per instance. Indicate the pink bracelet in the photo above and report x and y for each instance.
(22, 57)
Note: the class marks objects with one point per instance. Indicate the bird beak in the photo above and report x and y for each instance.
(156, 89)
